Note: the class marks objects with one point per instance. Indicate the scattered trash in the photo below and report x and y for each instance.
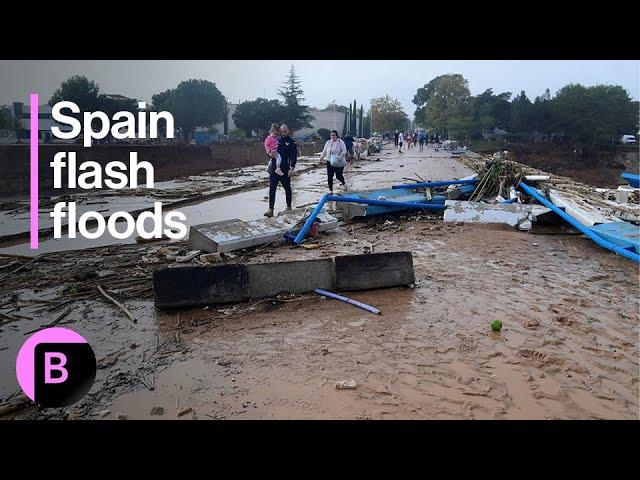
(184, 411)
(157, 411)
(346, 385)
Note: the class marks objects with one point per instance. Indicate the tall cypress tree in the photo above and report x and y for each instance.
(297, 114)
(344, 124)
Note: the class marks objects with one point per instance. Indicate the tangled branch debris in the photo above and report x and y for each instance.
(496, 177)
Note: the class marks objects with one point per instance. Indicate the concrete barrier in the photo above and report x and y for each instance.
(376, 270)
(269, 279)
(206, 285)
(200, 285)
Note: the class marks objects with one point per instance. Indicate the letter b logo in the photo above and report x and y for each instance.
(49, 366)
(56, 367)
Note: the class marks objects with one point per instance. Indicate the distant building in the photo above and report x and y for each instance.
(323, 119)
(22, 113)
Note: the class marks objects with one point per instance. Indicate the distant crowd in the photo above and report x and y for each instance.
(406, 140)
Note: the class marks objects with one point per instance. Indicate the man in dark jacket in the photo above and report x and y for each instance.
(348, 142)
(288, 150)
(395, 136)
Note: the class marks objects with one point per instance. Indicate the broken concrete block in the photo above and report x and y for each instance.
(200, 285)
(512, 214)
(376, 270)
(235, 234)
(269, 279)
(576, 206)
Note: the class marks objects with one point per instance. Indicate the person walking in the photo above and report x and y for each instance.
(288, 151)
(400, 141)
(348, 142)
(335, 152)
(421, 139)
(396, 136)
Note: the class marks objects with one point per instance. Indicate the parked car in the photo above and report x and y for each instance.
(628, 139)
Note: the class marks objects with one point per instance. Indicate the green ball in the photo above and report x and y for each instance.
(496, 325)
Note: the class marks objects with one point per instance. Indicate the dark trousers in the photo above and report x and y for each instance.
(338, 173)
(285, 180)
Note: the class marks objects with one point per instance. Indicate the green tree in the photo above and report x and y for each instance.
(193, 103)
(258, 115)
(496, 108)
(297, 114)
(421, 99)
(8, 123)
(449, 100)
(388, 114)
(344, 125)
(324, 133)
(80, 90)
(112, 105)
(592, 116)
(520, 117)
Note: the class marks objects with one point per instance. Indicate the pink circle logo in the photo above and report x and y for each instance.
(56, 367)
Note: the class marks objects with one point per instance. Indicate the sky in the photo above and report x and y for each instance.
(322, 80)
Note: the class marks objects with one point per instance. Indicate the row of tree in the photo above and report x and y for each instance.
(193, 103)
(587, 117)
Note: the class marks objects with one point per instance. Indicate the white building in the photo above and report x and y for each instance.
(22, 113)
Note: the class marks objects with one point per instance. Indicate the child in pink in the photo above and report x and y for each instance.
(271, 146)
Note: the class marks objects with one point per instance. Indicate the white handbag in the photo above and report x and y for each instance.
(337, 161)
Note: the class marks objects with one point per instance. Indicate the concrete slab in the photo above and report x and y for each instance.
(200, 285)
(235, 234)
(376, 270)
(269, 279)
(512, 214)
(584, 212)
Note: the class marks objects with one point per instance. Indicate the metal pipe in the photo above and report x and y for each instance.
(577, 225)
(348, 300)
(307, 225)
(367, 201)
(386, 203)
(442, 183)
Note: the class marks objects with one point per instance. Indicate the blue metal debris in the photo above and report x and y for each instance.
(443, 183)
(624, 234)
(436, 204)
(632, 178)
(576, 224)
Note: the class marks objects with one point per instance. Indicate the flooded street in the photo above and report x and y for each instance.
(569, 347)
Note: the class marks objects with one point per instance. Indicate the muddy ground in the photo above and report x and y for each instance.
(568, 349)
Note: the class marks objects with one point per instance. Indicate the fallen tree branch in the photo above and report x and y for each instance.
(117, 304)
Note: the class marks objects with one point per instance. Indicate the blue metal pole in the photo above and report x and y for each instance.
(587, 231)
(386, 203)
(307, 225)
(367, 201)
(348, 300)
(443, 183)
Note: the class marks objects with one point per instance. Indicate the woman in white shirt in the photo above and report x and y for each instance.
(335, 152)
(400, 141)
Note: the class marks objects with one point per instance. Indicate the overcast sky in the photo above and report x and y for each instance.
(322, 80)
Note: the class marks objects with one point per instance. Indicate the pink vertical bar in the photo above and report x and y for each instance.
(33, 171)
